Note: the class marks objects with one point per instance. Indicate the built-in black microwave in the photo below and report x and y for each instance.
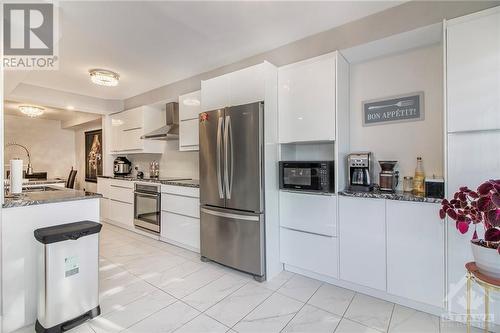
(309, 176)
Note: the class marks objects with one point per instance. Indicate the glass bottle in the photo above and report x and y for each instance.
(419, 179)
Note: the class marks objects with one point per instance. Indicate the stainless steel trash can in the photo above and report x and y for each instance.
(68, 275)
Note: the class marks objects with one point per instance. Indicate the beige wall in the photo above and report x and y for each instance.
(52, 148)
(80, 183)
(412, 71)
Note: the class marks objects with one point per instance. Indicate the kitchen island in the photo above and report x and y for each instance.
(21, 215)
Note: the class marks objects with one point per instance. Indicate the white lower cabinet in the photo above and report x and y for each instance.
(117, 203)
(362, 241)
(180, 216)
(104, 208)
(314, 213)
(415, 252)
(315, 253)
(121, 213)
(180, 230)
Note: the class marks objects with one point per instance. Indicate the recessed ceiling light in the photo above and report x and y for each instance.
(31, 110)
(191, 102)
(103, 77)
(70, 107)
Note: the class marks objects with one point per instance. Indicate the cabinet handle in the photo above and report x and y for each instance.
(132, 129)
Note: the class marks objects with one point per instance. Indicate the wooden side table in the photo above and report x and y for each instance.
(487, 283)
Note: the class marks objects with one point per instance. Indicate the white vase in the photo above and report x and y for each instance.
(487, 260)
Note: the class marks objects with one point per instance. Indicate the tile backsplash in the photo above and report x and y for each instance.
(173, 163)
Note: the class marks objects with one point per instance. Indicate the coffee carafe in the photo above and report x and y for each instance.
(388, 177)
(359, 165)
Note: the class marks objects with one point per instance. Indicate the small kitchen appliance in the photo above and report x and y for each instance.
(388, 177)
(308, 176)
(359, 165)
(122, 166)
(434, 188)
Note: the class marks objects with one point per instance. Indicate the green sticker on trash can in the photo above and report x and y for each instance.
(71, 266)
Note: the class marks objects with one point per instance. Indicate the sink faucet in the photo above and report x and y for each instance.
(29, 169)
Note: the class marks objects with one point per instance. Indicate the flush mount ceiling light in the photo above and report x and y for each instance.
(31, 110)
(191, 102)
(104, 77)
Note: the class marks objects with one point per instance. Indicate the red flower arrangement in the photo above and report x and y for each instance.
(480, 206)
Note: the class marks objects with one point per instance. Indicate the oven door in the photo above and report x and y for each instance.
(303, 176)
(147, 211)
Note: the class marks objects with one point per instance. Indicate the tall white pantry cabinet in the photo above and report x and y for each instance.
(472, 129)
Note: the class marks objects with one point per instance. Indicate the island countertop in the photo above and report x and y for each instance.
(45, 197)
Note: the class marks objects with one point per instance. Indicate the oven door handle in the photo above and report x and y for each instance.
(148, 194)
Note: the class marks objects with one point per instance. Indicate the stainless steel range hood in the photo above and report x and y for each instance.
(171, 130)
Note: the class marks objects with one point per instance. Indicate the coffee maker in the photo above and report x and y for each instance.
(359, 165)
(388, 178)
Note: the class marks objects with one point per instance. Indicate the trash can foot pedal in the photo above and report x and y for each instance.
(66, 326)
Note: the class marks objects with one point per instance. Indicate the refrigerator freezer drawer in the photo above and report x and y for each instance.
(233, 239)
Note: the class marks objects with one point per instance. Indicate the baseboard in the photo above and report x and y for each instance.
(437, 311)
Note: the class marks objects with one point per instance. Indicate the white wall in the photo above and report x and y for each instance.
(173, 163)
(412, 71)
(52, 148)
(80, 183)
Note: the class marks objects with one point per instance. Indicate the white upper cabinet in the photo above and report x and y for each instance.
(127, 127)
(190, 105)
(189, 109)
(244, 86)
(363, 241)
(306, 100)
(215, 93)
(473, 72)
(415, 252)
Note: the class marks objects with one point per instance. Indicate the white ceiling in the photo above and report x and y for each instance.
(151, 44)
(12, 108)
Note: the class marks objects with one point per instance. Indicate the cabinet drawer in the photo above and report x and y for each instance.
(121, 183)
(181, 230)
(309, 212)
(121, 212)
(181, 190)
(121, 194)
(181, 205)
(314, 253)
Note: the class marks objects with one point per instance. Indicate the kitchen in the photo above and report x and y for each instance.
(287, 181)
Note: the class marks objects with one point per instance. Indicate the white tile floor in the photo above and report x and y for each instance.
(147, 286)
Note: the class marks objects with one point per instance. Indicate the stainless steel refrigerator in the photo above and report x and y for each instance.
(231, 187)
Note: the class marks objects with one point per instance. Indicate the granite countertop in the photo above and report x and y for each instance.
(181, 182)
(45, 197)
(398, 196)
(29, 182)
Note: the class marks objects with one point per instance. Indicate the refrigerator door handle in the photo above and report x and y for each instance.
(228, 171)
(219, 143)
(231, 215)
